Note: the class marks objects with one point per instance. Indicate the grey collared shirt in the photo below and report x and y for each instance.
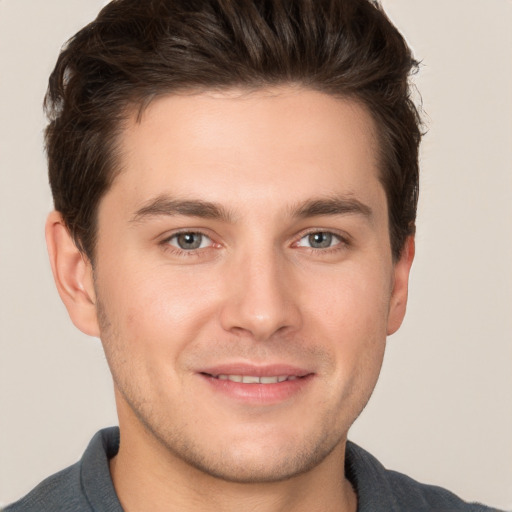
(87, 486)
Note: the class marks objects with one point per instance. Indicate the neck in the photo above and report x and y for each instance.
(147, 477)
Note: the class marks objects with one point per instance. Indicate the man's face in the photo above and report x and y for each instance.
(246, 239)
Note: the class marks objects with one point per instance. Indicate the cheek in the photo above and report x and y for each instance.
(350, 315)
(156, 307)
(354, 299)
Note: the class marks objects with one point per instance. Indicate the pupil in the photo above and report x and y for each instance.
(189, 240)
(320, 240)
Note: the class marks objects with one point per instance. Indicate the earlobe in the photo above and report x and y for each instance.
(73, 275)
(398, 302)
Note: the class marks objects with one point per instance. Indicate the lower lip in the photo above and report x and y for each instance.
(259, 393)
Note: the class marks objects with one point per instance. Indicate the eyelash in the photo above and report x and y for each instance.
(182, 252)
(343, 243)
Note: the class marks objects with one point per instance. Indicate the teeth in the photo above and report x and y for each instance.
(253, 379)
(249, 379)
(268, 380)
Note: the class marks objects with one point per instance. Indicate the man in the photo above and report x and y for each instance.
(235, 189)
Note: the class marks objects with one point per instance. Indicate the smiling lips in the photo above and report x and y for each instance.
(258, 385)
(254, 379)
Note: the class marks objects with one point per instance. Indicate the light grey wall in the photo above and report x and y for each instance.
(442, 411)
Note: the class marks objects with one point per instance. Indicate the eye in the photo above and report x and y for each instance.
(189, 241)
(319, 240)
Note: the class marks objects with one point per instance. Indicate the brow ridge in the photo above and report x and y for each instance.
(167, 206)
(335, 205)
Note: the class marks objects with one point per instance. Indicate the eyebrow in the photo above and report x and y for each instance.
(336, 205)
(168, 206)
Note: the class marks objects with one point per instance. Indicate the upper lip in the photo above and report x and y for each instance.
(268, 370)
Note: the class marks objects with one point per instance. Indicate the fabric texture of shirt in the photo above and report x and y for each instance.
(87, 486)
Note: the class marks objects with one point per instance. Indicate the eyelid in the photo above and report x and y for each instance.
(343, 237)
(176, 235)
(167, 246)
(343, 240)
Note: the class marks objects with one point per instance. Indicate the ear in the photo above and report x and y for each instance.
(73, 275)
(401, 271)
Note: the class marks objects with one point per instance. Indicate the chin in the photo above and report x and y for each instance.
(256, 460)
(254, 470)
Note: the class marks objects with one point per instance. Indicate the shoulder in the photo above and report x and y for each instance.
(82, 487)
(381, 489)
(430, 497)
(59, 492)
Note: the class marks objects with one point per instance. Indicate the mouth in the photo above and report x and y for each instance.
(257, 385)
(254, 379)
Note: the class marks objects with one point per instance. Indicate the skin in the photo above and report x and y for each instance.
(258, 290)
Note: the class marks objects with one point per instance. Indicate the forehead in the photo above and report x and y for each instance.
(281, 143)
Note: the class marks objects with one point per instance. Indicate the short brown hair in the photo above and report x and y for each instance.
(137, 50)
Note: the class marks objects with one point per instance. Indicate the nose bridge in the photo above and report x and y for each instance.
(259, 301)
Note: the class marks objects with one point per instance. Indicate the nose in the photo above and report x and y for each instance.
(261, 299)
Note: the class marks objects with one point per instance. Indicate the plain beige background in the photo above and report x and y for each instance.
(442, 411)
